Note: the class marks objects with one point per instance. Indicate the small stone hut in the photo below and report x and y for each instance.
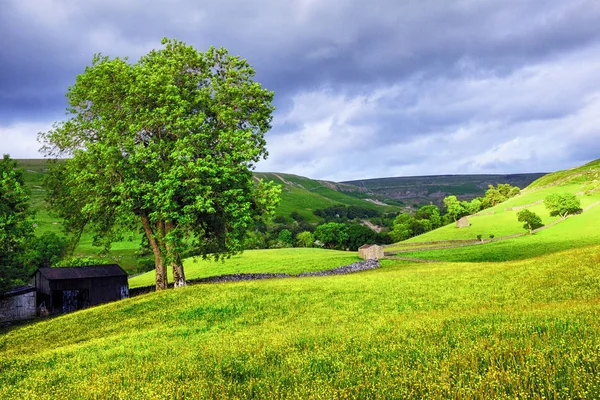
(63, 290)
(463, 223)
(18, 304)
(370, 252)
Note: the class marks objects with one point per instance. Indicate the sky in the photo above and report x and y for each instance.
(363, 89)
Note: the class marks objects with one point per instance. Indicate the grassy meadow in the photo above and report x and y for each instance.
(521, 329)
(516, 318)
(288, 261)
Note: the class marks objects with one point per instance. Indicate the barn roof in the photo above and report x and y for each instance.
(18, 290)
(366, 246)
(94, 271)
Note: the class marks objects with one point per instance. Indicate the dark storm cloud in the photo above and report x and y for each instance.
(362, 88)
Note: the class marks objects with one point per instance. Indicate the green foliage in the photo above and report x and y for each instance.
(562, 204)
(400, 232)
(333, 235)
(46, 250)
(81, 262)
(285, 236)
(531, 220)
(499, 194)
(342, 212)
(359, 235)
(430, 213)
(454, 208)
(305, 239)
(16, 226)
(167, 143)
(296, 216)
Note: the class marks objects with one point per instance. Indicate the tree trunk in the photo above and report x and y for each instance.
(175, 260)
(161, 273)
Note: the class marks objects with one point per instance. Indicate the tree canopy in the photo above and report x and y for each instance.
(16, 225)
(166, 144)
(562, 204)
(531, 220)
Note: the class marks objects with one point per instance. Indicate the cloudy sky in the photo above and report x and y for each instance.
(363, 89)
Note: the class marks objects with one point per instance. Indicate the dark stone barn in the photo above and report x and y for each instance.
(62, 290)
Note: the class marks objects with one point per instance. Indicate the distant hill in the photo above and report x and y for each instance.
(305, 195)
(433, 188)
(503, 236)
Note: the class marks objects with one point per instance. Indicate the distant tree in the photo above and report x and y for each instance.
(562, 204)
(499, 194)
(279, 219)
(420, 226)
(454, 208)
(332, 235)
(16, 224)
(474, 206)
(296, 216)
(46, 250)
(167, 146)
(400, 232)
(531, 220)
(359, 235)
(431, 213)
(285, 236)
(305, 239)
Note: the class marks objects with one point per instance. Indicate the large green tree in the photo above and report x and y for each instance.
(168, 144)
(562, 204)
(16, 225)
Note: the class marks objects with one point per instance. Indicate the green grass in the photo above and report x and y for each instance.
(523, 329)
(305, 195)
(585, 173)
(289, 261)
(578, 231)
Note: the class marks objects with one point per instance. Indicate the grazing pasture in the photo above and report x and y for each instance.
(526, 328)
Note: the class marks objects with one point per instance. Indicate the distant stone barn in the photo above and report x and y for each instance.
(18, 304)
(463, 223)
(62, 290)
(370, 252)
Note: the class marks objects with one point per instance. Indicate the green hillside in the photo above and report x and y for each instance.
(521, 329)
(501, 221)
(305, 195)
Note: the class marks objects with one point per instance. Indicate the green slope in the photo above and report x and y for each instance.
(523, 329)
(305, 195)
(501, 220)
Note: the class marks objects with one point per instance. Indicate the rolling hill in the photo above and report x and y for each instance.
(526, 329)
(424, 190)
(501, 222)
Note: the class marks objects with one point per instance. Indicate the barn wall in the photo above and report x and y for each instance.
(18, 307)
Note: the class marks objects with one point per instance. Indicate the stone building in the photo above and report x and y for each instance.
(463, 223)
(370, 252)
(18, 304)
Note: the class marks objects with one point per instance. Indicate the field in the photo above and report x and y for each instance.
(515, 318)
(288, 261)
(527, 329)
